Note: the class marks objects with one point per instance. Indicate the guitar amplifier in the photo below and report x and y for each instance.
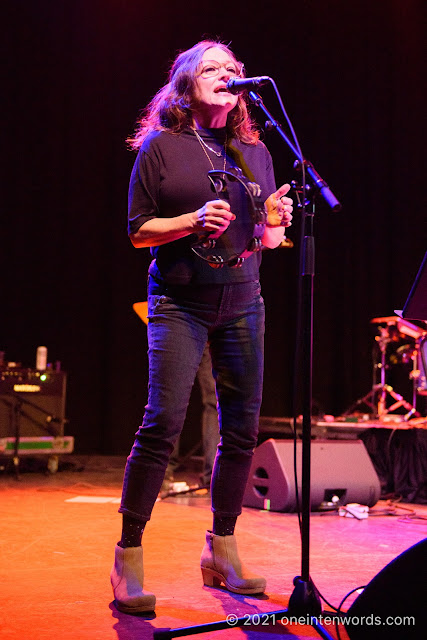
(35, 399)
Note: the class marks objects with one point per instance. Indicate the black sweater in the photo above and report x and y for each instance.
(169, 178)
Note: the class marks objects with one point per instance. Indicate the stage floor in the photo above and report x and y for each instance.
(58, 536)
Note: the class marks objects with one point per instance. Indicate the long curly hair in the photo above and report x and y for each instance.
(171, 108)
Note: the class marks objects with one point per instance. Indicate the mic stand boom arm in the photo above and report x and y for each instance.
(316, 180)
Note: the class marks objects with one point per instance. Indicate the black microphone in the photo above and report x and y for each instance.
(236, 85)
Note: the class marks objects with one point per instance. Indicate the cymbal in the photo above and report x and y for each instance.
(385, 320)
(405, 327)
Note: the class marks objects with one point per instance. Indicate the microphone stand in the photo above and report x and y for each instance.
(16, 412)
(304, 600)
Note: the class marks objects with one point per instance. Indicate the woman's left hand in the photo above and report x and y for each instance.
(279, 208)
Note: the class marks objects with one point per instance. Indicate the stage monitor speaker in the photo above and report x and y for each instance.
(42, 407)
(338, 468)
(393, 604)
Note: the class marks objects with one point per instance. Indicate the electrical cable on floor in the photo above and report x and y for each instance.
(391, 509)
(339, 612)
(413, 519)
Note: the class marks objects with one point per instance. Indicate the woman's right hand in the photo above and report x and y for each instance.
(213, 218)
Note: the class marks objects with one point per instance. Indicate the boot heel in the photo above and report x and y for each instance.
(220, 564)
(210, 579)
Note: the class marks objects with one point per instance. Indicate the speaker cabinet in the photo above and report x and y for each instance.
(36, 399)
(393, 605)
(338, 468)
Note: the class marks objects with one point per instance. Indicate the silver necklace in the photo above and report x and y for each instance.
(217, 153)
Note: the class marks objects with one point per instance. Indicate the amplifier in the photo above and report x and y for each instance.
(36, 399)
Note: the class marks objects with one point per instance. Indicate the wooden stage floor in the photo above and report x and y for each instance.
(59, 531)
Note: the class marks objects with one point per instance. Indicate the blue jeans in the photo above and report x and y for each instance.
(182, 318)
(209, 420)
(210, 435)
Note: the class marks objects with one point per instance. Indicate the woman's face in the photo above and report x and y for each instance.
(211, 96)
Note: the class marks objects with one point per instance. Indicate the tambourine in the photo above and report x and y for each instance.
(243, 236)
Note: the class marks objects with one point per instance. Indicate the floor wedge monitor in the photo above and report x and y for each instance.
(338, 468)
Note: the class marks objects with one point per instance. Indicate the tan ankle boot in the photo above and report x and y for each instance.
(220, 562)
(127, 579)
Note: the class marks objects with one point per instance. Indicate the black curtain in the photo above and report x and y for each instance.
(352, 77)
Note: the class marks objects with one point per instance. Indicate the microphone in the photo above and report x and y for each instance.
(236, 85)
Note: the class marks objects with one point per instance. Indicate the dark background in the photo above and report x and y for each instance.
(352, 77)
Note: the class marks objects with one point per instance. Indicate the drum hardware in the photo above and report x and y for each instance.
(377, 397)
(404, 354)
(417, 352)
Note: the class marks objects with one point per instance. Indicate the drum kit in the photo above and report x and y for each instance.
(383, 398)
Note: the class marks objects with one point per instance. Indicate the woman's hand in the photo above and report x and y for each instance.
(213, 218)
(279, 215)
(279, 208)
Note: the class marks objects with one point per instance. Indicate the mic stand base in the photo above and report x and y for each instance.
(305, 599)
(280, 617)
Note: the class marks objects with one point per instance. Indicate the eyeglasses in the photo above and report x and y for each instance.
(211, 68)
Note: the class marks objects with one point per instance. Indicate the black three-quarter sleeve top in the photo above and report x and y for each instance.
(169, 178)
